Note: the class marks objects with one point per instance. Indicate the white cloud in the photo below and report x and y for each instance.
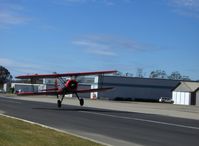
(95, 47)
(185, 7)
(11, 14)
(20, 66)
(5, 62)
(190, 4)
(15, 63)
(9, 18)
(109, 45)
(106, 2)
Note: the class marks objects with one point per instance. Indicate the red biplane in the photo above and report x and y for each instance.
(69, 86)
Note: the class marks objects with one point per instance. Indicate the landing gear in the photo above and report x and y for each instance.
(81, 101)
(59, 103)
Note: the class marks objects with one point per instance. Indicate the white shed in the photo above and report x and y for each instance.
(186, 93)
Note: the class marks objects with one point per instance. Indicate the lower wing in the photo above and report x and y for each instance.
(51, 89)
(93, 90)
(38, 93)
(60, 92)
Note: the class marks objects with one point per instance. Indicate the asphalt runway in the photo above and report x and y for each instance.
(108, 126)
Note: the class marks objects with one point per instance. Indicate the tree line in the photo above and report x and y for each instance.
(163, 75)
(5, 75)
(156, 74)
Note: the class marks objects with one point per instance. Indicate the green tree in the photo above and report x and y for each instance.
(5, 75)
(175, 76)
(160, 74)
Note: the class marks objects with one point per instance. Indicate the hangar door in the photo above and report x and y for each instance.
(181, 98)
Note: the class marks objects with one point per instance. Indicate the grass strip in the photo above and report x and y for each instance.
(18, 133)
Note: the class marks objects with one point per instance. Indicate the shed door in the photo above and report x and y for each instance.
(183, 98)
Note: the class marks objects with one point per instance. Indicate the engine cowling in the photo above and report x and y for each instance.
(71, 85)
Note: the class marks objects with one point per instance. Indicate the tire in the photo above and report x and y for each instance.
(81, 102)
(59, 103)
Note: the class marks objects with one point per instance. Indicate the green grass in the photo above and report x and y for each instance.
(18, 133)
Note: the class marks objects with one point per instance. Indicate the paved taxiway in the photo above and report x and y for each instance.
(109, 126)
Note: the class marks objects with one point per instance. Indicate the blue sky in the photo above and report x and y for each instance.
(45, 36)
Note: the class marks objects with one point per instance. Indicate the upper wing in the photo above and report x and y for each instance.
(64, 74)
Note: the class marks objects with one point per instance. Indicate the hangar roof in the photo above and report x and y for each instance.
(187, 86)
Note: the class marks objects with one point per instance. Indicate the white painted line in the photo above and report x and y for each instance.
(58, 130)
(4, 100)
(143, 120)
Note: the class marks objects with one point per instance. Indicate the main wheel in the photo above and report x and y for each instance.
(81, 101)
(59, 103)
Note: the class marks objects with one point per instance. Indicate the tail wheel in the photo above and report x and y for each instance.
(59, 103)
(81, 101)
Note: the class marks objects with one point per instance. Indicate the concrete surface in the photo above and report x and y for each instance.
(117, 128)
(181, 111)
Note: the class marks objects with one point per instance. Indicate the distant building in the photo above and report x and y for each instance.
(133, 88)
(186, 93)
(25, 87)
